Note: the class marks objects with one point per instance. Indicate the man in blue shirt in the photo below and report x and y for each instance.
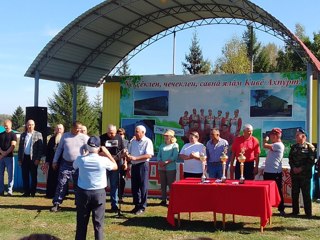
(91, 194)
(215, 147)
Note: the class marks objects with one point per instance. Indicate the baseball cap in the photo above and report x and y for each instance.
(276, 131)
(94, 141)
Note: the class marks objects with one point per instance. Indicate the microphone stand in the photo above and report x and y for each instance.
(119, 214)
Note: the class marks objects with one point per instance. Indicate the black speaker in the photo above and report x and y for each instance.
(40, 117)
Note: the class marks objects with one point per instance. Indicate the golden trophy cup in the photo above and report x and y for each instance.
(203, 159)
(224, 159)
(241, 160)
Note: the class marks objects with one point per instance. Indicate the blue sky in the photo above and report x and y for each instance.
(27, 26)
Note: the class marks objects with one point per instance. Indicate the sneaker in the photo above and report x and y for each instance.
(139, 212)
(55, 208)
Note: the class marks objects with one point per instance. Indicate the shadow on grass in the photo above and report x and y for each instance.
(35, 207)
(160, 223)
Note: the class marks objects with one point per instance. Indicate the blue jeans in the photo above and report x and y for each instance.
(214, 169)
(113, 177)
(66, 172)
(7, 162)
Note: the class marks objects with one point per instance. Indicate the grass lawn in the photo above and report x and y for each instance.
(22, 216)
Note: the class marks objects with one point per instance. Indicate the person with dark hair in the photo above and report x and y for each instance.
(273, 163)
(72, 145)
(52, 179)
(190, 154)
(91, 194)
(40, 236)
(8, 141)
(123, 166)
(301, 161)
(29, 156)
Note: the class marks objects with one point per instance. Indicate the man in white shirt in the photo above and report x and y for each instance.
(91, 194)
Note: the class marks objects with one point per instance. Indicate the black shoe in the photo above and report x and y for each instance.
(163, 203)
(293, 214)
(2, 194)
(32, 194)
(120, 200)
(9, 194)
(134, 210)
(282, 213)
(55, 208)
(114, 209)
(139, 212)
(25, 195)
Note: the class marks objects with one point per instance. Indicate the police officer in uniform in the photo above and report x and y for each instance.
(301, 160)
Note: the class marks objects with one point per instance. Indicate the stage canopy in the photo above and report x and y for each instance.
(92, 46)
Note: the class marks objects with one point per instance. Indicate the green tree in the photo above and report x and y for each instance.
(18, 119)
(234, 58)
(288, 59)
(253, 46)
(195, 64)
(125, 68)
(97, 111)
(60, 108)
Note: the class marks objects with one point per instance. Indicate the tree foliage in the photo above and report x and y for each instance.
(18, 119)
(97, 111)
(125, 68)
(234, 58)
(195, 63)
(60, 108)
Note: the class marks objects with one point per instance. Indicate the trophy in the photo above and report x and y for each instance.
(203, 159)
(241, 160)
(224, 158)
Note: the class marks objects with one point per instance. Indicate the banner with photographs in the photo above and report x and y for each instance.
(200, 102)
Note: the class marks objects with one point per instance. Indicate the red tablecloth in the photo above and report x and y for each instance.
(254, 198)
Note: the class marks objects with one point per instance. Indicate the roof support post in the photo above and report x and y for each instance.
(174, 51)
(309, 101)
(318, 113)
(36, 88)
(74, 101)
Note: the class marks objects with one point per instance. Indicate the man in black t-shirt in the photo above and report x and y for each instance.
(8, 141)
(114, 143)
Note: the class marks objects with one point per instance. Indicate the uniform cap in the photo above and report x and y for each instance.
(301, 130)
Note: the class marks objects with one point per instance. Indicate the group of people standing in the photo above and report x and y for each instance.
(89, 161)
(202, 123)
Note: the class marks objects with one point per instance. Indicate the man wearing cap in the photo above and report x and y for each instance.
(251, 148)
(215, 147)
(139, 153)
(301, 161)
(273, 163)
(91, 194)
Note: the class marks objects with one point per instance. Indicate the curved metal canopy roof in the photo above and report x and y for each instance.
(91, 47)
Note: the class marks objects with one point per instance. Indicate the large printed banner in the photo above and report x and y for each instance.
(200, 102)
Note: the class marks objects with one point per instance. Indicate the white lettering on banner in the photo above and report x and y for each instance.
(161, 130)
